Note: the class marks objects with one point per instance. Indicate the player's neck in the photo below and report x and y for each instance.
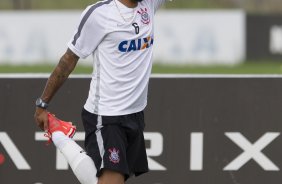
(129, 3)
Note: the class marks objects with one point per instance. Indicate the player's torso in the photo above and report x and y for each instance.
(126, 39)
(123, 61)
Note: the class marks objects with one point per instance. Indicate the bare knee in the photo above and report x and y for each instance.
(111, 177)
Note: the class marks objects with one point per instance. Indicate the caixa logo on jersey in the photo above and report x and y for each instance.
(136, 45)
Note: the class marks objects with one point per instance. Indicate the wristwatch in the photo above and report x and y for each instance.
(40, 103)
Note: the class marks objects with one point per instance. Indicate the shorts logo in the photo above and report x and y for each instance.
(144, 15)
(114, 155)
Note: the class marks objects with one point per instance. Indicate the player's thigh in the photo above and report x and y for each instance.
(111, 177)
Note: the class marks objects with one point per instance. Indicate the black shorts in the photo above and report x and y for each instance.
(116, 142)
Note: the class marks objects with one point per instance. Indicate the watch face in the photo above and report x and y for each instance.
(38, 102)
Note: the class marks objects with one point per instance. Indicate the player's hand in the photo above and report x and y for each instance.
(41, 118)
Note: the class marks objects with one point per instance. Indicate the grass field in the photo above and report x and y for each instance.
(74, 4)
(255, 6)
(245, 68)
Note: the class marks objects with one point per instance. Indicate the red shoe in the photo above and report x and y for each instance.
(56, 124)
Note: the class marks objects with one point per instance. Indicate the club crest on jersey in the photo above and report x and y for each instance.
(145, 18)
(114, 155)
(136, 45)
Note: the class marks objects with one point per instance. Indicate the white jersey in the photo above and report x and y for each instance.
(121, 41)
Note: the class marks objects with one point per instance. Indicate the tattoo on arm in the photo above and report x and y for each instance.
(62, 71)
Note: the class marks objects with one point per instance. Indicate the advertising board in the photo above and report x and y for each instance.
(181, 37)
(199, 129)
(264, 37)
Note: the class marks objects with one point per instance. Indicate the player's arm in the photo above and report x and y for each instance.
(82, 44)
(61, 72)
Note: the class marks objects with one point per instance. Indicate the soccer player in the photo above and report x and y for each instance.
(119, 34)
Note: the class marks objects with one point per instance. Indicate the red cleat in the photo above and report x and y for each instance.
(56, 124)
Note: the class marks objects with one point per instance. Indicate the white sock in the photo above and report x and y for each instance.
(86, 171)
(81, 164)
(60, 139)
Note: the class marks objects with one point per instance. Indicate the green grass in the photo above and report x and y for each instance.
(261, 6)
(245, 68)
(81, 4)
(39, 69)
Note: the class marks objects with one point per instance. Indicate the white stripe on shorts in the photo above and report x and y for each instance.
(100, 140)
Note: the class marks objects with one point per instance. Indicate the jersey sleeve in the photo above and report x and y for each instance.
(89, 34)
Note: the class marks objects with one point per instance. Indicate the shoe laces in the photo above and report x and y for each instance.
(49, 136)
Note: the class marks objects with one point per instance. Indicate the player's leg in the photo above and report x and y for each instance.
(124, 141)
(105, 135)
(81, 164)
(136, 150)
(111, 177)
